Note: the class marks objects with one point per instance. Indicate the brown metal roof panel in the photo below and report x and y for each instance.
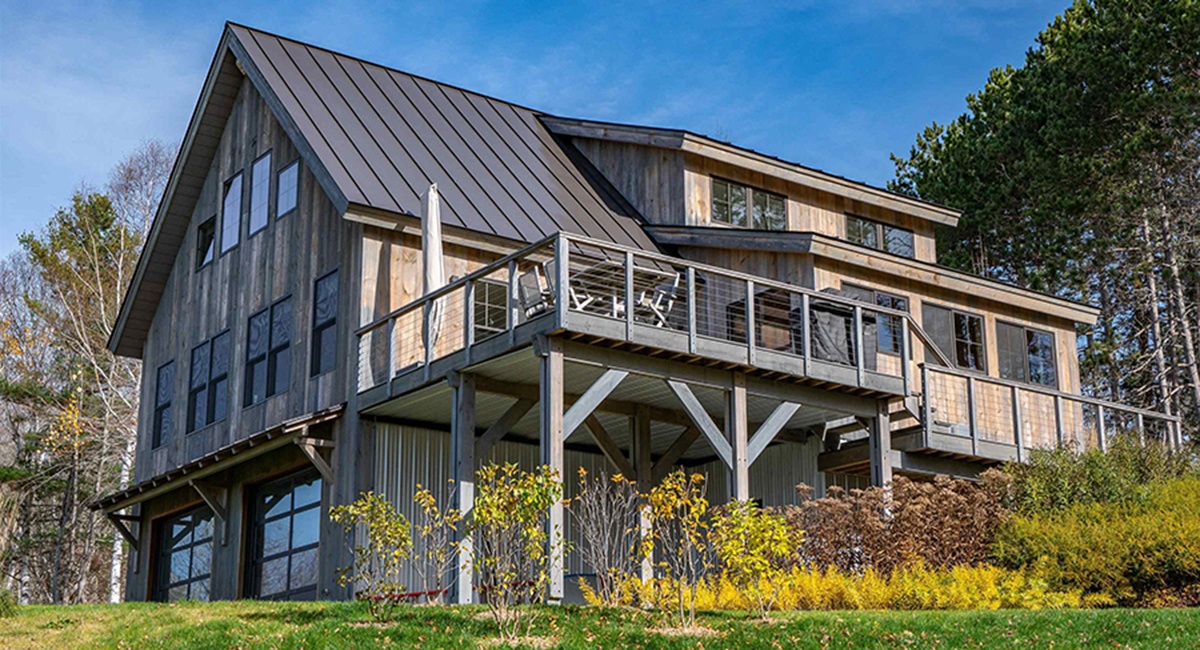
(504, 191)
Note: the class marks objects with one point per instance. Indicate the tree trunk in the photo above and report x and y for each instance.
(115, 591)
(56, 575)
(1191, 368)
(1164, 390)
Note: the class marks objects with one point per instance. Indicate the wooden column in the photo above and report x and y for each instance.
(551, 423)
(881, 446)
(736, 428)
(462, 436)
(643, 466)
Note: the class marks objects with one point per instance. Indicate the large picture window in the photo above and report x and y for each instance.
(958, 334)
(1026, 354)
(286, 534)
(767, 210)
(231, 213)
(325, 308)
(260, 193)
(268, 352)
(208, 385)
(889, 327)
(164, 388)
(183, 562)
(879, 236)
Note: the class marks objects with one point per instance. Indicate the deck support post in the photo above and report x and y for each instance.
(551, 438)
(881, 447)
(643, 466)
(737, 429)
(462, 436)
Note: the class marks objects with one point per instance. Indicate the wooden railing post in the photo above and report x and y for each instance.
(426, 339)
(562, 270)
(750, 316)
(806, 332)
(514, 303)
(1102, 428)
(468, 318)
(1141, 427)
(905, 347)
(628, 295)
(1018, 434)
(858, 343)
(391, 349)
(691, 308)
(972, 417)
(926, 406)
(1058, 419)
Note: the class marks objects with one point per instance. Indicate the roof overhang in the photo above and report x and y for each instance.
(220, 460)
(753, 161)
(844, 252)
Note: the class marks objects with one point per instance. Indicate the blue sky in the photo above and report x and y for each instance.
(835, 85)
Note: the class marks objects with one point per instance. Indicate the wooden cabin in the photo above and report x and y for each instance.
(620, 298)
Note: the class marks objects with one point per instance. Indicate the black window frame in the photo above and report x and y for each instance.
(955, 340)
(320, 326)
(750, 206)
(1027, 333)
(270, 173)
(879, 235)
(885, 321)
(206, 255)
(164, 546)
(256, 555)
(294, 165)
(270, 355)
(226, 192)
(211, 387)
(160, 434)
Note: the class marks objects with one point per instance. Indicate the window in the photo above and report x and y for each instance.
(873, 234)
(889, 327)
(183, 564)
(1026, 354)
(491, 308)
(206, 242)
(286, 534)
(268, 352)
(958, 334)
(774, 326)
(324, 351)
(729, 201)
(208, 387)
(163, 388)
(287, 189)
(231, 213)
(260, 193)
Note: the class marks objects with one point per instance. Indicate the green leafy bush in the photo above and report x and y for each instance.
(378, 564)
(754, 548)
(1059, 478)
(8, 604)
(1124, 553)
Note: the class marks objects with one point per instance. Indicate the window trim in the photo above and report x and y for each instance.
(270, 184)
(240, 176)
(294, 163)
(157, 439)
(983, 335)
(314, 359)
(268, 357)
(1028, 373)
(210, 395)
(880, 239)
(749, 193)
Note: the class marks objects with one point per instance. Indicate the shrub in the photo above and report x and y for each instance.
(754, 549)
(606, 515)
(434, 549)
(1055, 479)
(513, 545)
(8, 604)
(680, 534)
(940, 523)
(1125, 553)
(378, 565)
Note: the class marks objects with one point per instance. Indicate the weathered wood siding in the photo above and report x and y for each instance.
(651, 179)
(283, 259)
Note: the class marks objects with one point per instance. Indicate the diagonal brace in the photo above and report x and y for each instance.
(501, 427)
(701, 419)
(609, 447)
(674, 453)
(591, 398)
(769, 429)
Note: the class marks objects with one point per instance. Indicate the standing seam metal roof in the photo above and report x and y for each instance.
(383, 136)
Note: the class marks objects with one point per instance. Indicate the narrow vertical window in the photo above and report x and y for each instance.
(325, 307)
(287, 189)
(208, 383)
(231, 213)
(260, 193)
(279, 358)
(1026, 354)
(198, 388)
(268, 352)
(164, 388)
(257, 336)
(968, 341)
(206, 242)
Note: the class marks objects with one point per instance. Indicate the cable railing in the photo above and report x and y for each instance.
(997, 416)
(651, 298)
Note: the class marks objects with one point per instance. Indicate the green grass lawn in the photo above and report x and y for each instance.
(347, 625)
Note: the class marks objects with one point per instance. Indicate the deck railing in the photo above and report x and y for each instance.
(998, 414)
(704, 307)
